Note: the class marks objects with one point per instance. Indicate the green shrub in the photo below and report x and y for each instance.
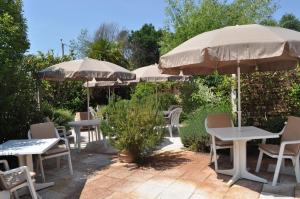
(165, 100)
(131, 126)
(193, 134)
(143, 89)
(161, 91)
(60, 117)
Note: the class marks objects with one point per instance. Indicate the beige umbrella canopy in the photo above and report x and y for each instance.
(235, 49)
(94, 83)
(85, 69)
(152, 73)
(256, 47)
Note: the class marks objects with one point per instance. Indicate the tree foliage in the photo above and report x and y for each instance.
(17, 87)
(144, 46)
(107, 51)
(186, 18)
(290, 21)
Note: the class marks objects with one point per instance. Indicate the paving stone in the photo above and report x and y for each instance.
(124, 186)
(148, 190)
(237, 192)
(283, 190)
(178, 190)
(139, 176)
(265, 195)
(121, 195)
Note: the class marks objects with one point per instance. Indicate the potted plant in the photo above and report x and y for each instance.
(132, 127)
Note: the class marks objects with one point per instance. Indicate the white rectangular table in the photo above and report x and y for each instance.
(80, 123)
(240, 138)
(24, 149)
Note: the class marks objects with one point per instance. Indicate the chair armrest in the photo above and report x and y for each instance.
(290, 142)
(280, 133)
(284, 143)
(5, 163)
(16, 170)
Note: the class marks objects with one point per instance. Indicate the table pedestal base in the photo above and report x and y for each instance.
(239, 170)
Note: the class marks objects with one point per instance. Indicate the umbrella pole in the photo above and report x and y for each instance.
(156, 93)
(239, 112)
(108, 94)
(88, 99)
(38, 98)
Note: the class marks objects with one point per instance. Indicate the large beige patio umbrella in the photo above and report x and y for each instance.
(235, 49)
(86, 69)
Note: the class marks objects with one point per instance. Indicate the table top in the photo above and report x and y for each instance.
(84, 123)
(246, 133)
(27, 147)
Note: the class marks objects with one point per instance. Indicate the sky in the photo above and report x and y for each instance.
(49, 21)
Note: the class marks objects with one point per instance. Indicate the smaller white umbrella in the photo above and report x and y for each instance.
(152, 73)
(86, 69)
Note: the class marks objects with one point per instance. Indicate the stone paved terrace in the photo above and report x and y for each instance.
(168, 174)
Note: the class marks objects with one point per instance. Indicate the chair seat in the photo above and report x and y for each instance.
(274, 149)
(56, 150)
(223, 143)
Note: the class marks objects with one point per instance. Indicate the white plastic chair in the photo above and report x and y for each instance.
(218, 120)
(289, 148)
(47, 130)
(91, 129)
(14, 179)
(173, 120)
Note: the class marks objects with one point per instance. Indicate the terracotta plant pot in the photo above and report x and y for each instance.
(126, 156)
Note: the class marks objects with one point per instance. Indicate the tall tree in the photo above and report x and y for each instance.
(290, 21)
(144, 45)
(17, 88)
(107, 51)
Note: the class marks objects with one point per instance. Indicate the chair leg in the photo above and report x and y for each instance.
(15, 194)
(231, 154)
(42, 168)
(170, 130)
(89, 135)
(214, 153)
(211, 154)
(31, 185)
(178, 130)
(70, 164)
(277, 169)
(259, 161)
(297, 172)
(58, 162)
(32, 190)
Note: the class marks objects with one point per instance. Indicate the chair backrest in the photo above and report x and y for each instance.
(174, 116)
(218, 120)
(82, 116)
(292, 132)
(43, 131)
(172, 107)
